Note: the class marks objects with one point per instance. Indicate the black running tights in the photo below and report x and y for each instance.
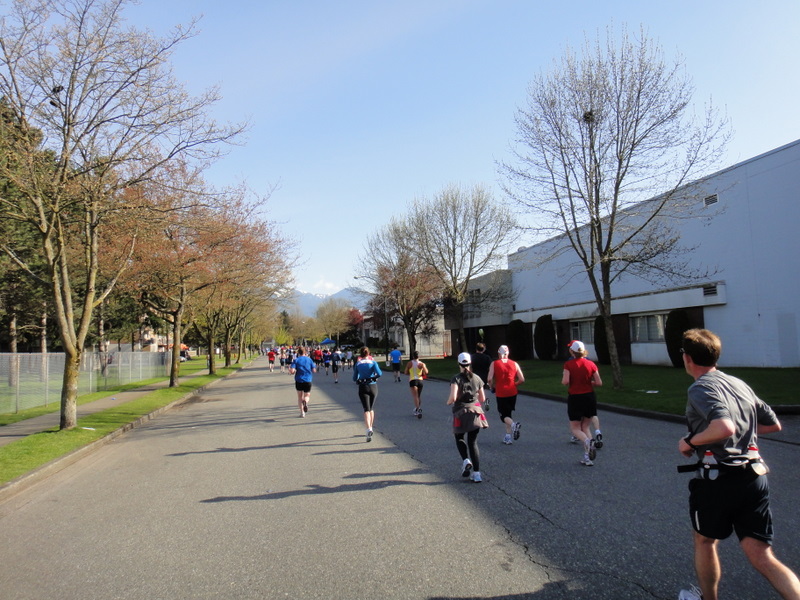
(470, 444)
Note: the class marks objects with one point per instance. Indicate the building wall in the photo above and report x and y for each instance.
(747, 242)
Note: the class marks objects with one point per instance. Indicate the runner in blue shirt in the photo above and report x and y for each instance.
(303, 369)
(396, 356)
(365, 374)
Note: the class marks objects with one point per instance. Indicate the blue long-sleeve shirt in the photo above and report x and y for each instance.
(366, 371)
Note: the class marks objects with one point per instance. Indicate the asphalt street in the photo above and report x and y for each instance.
(234, 496)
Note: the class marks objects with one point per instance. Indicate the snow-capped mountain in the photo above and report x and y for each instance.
(308, 303)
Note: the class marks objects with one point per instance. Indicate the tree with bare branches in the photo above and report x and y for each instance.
(96, 111)
(606, 143)
(460, 234)
(395, 272)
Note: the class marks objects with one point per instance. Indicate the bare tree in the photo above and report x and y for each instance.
(396, 272)
(95, 111)
(460, 234)
(605, 144)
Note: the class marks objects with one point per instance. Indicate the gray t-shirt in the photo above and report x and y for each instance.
(716, 395)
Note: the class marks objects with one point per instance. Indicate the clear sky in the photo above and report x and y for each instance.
(359, 106)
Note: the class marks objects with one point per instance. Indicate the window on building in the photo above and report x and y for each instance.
(648, 328)
(583, 331)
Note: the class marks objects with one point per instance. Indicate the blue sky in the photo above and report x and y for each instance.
(357, 107)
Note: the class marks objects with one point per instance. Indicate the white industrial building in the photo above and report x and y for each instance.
(745, 235)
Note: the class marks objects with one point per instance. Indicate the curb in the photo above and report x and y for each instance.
(28, 480)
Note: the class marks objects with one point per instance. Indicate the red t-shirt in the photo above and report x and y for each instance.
(581, 371)
(504, 375)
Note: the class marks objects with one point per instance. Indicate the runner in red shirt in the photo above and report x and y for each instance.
(581, 376)
(504, 376)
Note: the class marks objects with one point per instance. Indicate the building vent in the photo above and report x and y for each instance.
(709, 200)
(710, 290)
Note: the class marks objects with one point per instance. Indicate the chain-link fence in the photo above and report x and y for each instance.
(31, 380)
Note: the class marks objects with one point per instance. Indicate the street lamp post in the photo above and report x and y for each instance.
(386, 326)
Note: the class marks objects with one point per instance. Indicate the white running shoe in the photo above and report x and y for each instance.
(592, 450)
(476, 476)
(466, 468)
(369, 435)
(692, 594)
(587, 461)
(507, 439)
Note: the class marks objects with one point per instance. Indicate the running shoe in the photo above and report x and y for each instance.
(598, 440)
(486, 405)
(507, 439)
(476, 477)
(305, 406)
(692, 594)
(592, 450)
(419, 413)
(573, 439)
(302, 415)
(369, 435)
(466, 468)
(515, 429)
(587, 461)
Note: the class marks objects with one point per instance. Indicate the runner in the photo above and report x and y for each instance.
(581, 376)
(336, 361)
(303, 370)
(282, 358)
(466, 396)
(326, 360)
(395, 356)
(271, 359)
(416, 371)
(504, 376)
(366, 373)
(730, 489)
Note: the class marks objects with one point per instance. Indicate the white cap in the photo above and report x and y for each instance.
(464, 359)
(503, 350)
(577, 346)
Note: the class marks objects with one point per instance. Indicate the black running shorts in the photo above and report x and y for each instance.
(581, 406)
(732, 502)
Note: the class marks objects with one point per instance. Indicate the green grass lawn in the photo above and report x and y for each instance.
(661, 389)
(33, 451)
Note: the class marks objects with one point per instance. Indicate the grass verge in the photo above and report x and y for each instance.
(34, 451)
(660, 389)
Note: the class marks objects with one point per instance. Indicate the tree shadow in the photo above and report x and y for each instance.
(316, 489)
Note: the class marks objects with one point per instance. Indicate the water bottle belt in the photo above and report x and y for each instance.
(732, 465)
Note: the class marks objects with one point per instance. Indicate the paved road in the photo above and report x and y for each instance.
(234, 496)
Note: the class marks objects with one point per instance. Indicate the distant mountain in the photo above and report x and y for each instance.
(353, 296)
(308, 303)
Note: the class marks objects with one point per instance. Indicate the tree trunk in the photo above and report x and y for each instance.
(605, 310)
(613, 355)
(43, 332)
(212, 366)
(69, 390)
(177, 342)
